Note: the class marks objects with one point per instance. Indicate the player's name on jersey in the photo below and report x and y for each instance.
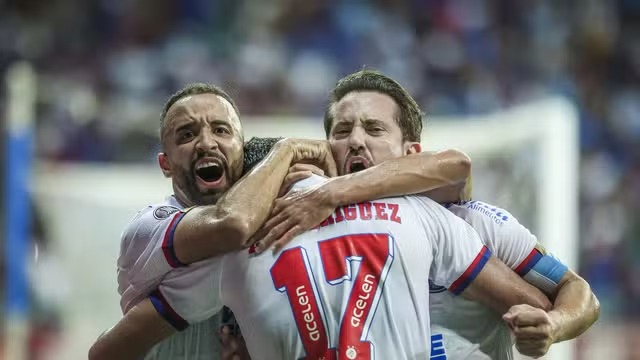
(364, 211)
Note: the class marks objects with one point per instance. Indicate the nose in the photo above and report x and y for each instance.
(356, 139)
(206, 142)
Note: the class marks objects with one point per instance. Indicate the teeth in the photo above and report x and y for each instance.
(205, 164)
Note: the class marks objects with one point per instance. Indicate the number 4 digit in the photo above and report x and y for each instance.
(375, 253)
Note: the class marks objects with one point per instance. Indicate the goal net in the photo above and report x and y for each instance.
(524, 159)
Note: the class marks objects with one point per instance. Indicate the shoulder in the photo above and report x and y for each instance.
(156, 213)
(151, 217)
(479, 211)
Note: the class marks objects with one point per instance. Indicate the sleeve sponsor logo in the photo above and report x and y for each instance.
(164, 212)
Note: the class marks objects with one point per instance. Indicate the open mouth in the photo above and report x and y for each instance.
(356, 164)
(210, 172)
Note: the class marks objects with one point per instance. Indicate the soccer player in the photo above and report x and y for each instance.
(202, 142)
(356, 288)
(370, 120)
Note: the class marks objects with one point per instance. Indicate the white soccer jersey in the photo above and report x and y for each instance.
(146, 256)
(355, 286)
(150, 229)
(514, 245)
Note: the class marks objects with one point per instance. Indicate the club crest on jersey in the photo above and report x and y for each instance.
(164, 212)
(434, 289)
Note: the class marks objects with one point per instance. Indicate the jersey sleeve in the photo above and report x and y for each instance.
(513, 244)
(147, 252)
(500, 231)
(458, 253)
(190, 295)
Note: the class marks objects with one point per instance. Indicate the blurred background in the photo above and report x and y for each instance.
(105, 67)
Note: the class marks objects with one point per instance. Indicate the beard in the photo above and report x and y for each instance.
(186, 181)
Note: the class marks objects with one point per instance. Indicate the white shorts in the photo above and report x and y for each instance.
(448, 345)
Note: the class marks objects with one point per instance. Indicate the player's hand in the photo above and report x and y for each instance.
(233, 346)
(318, 151)
(533, 329)
(297, 172)
(294, 214)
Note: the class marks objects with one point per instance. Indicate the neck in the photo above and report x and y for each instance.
(182, 198)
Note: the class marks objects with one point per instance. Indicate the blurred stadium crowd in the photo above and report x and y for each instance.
(106, 66)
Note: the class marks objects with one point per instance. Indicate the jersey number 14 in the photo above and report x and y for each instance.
(292, 273)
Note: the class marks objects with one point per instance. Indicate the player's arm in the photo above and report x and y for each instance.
(133, 336)
(411, 174)
(575, 307)
(207, 231)
(462, 263)
(499, 288)
(185, 296)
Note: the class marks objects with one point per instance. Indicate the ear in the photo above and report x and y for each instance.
(163, 161)
(412, 148)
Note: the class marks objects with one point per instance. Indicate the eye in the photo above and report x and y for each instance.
(221, 130)
(186, 135)
(341, 131)
(376, 130)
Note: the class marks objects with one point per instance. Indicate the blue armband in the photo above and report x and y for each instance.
(542, 270)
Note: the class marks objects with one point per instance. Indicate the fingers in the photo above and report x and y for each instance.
(287, 237)
(275, 233)
(229, 343)
(301, 167)
(254, 240)
(525, 315)
(531, 318)
(531, 332)
(277, 217)
(294, 177)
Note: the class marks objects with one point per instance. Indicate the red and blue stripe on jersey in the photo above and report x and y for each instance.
(166, 311)
(545, 268)
(472, 271)
(167, 243)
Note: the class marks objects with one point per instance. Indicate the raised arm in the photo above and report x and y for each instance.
(207, 231)
(133, 336)
(411, 174)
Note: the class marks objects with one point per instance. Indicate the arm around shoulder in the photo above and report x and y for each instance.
(207, 231)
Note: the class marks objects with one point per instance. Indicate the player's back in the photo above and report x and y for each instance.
(357, 285)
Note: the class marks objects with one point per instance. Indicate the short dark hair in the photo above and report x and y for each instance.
(410, 117)
(255, 150)
(193, 89)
